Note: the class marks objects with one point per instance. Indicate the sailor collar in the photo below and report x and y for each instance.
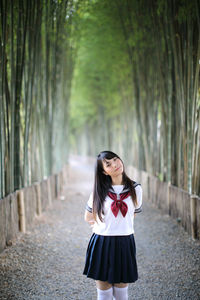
(125, 190)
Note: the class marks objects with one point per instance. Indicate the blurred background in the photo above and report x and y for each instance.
(82, 76)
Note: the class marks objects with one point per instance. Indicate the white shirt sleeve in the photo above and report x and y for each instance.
(138, 190)
(89, 204)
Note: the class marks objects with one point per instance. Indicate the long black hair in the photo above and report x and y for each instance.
(102, 183)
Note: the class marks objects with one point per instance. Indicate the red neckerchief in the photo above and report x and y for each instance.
(118, 203)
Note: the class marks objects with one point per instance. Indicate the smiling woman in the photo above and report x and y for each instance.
(113, 168)
(111, 253)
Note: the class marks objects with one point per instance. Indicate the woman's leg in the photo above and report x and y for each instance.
(103, 285)
(120, 291)
(104, 290)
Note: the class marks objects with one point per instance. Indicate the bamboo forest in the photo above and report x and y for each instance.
(82, 76)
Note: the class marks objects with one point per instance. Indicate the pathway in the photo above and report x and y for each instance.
(47, 263)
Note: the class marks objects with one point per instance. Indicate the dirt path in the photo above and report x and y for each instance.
(47, 263)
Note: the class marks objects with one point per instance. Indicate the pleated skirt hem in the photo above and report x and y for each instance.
(111, 259)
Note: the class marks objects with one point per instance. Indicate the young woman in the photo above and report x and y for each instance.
(111, 253)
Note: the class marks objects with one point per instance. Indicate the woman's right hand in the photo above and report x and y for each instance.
(91, 222)
(89, 218)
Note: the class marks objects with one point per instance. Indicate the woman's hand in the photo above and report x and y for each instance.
(89, 218)
(91, 223)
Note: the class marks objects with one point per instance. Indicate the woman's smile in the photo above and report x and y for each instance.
(117, 168)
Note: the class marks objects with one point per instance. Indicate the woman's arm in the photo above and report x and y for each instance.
(88, 217)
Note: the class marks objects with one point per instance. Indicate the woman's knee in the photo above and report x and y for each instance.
(103, 285)
(121, 285)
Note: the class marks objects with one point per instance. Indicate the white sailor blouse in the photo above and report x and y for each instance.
(118, 218)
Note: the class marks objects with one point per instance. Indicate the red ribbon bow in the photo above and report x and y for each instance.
(119, 204)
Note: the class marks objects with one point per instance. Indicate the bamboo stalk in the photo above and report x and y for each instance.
(193, 211)
(49, 191)
(38, 199)
(21, 211)
(168, 196)
(3, 13)
(12, 90)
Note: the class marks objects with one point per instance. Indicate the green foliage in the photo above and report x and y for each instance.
(35, 37)
(117, 74)
(132, 62)
(101, 64)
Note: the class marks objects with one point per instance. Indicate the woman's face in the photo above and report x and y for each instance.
(113, 166)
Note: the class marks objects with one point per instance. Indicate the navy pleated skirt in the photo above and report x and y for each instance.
(111, 258)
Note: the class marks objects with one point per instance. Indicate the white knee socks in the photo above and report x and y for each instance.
(120, 293)
(117, 293)
(105, 294)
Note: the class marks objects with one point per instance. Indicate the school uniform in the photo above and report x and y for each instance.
(111, 252)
